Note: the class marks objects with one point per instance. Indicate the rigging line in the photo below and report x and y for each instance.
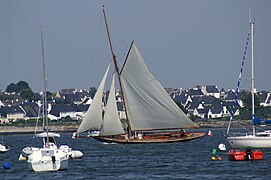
(37, 122)
(122, 54)
(94, 54)
(239, 80)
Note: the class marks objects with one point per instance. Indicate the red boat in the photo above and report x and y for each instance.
(245, 155)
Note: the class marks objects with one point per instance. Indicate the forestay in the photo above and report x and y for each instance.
(148, 105)
(93, 117)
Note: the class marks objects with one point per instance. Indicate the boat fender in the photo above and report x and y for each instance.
(54, 159)
(6, 165)
(213, 158)
(219, 158)
(214, 152)
(222, 147)
(22, 157)
(75, 154)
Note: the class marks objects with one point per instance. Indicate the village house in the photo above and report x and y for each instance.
(31, 109)
(218, 112)
(182, 99)
(231, 94)
(202, 101)
(265, 98)
(1, 104)
(58, 111)
(210, 91)
(11, 113)
(194, 92)
(121, 112)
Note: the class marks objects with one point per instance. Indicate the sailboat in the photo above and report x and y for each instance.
(254, 139)
(152, 116)
(49, 157)
(4, 147)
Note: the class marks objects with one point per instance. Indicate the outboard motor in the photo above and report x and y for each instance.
(54, 159)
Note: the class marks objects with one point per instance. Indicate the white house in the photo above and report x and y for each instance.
(210, 91)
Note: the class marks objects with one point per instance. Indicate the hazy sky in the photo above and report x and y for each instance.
(184, 42)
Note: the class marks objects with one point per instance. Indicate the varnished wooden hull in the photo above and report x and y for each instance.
(171, 138)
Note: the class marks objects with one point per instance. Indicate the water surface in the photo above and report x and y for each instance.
(183, 160)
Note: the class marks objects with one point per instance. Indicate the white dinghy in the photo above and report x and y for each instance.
(4, 148)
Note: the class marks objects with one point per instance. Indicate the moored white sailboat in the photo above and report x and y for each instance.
(254, 139)
(50, 157)
(152, 116)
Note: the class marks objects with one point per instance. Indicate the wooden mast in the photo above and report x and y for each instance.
(118, 72)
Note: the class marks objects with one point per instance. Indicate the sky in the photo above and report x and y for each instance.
(183, 42)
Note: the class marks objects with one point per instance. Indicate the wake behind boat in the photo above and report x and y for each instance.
(147, 106)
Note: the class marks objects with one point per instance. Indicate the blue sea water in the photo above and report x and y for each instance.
(183, 160)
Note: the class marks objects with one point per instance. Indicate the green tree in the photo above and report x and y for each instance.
(11, 88)
(27, 94)
(4, 97)
(260, 111)
(49, 95)
(92, 92)
(21, 85)
(247, 100)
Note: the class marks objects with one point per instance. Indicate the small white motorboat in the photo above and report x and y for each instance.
(4, 148)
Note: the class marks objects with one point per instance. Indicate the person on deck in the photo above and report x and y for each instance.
(182, 133)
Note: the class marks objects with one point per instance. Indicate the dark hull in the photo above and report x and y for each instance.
(157, 138)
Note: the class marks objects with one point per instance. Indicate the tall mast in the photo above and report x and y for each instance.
(118, 72)
(252, 73)
(44, 94)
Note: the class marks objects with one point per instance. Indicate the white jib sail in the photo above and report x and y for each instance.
(93, 117)
(111, 124)
(148, 104)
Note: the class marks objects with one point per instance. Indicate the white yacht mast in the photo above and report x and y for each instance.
(252, 73)
(44, 94)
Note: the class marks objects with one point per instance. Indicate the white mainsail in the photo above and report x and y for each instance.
(148, 105)
(111, 124)
(93, 116)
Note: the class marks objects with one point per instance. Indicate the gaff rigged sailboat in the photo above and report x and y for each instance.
(254, 139)
(152, 116)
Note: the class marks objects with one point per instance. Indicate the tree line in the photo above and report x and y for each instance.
(22, 88)
(260, 111)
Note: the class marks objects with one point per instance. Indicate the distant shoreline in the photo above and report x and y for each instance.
(224, 124)
(9, 130)
(31, 129)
